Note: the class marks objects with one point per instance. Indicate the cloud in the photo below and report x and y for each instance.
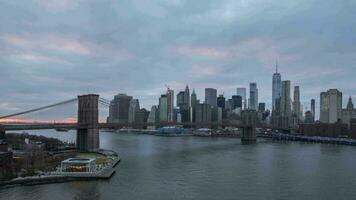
(57, 49)
(58, 5)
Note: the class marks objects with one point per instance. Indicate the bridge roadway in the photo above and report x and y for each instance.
(40, 126)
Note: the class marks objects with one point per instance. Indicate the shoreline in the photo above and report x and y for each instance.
(54, 177)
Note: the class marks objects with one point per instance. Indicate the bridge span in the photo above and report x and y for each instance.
(88, 125)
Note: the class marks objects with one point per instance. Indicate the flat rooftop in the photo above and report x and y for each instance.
(79, 160)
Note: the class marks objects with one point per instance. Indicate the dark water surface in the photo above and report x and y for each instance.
(209, 168)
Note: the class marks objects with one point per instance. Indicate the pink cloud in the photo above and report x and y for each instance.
(202, 51)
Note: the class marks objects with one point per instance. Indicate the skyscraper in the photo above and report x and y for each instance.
(242, 92)
(134, 108)
(236, 101)
(119, 109)
(211, 96)
(162, 108)
(330, 106)
(187, 96)
(221, 101)
(170, 104)
(312, 109)
(193, 99)
(296, 102)
(285, 100)
(276, 87)
(253, 100)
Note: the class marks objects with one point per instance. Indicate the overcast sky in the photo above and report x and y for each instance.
(53, 50)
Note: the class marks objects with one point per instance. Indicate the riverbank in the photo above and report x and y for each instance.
(60, 177)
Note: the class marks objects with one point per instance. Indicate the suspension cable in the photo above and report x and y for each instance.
(38, 109)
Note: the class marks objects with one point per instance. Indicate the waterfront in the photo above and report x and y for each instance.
(156, 167)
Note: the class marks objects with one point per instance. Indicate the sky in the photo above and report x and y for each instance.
(54, 50)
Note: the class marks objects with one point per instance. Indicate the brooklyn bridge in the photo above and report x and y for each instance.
(88, 124)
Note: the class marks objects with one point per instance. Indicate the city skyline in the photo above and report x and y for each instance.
(47, 53)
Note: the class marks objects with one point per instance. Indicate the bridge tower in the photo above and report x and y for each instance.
(249, 121)
(88, 123)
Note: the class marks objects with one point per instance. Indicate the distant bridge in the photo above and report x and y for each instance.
(88, 122)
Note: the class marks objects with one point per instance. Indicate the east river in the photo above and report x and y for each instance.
(154, 167)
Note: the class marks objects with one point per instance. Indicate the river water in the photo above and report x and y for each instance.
(154, 167)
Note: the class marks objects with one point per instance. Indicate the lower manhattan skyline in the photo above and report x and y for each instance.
(48, 52)
(177, 99)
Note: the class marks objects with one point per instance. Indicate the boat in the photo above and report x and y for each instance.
(62, 129)
(203, 132)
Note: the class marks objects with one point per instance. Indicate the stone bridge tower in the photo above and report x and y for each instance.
(88, 123)
(249, 121)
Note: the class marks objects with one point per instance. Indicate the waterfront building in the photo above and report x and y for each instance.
(253, 100)
(330, 106)
(276, 87)
(203, 114)
(242, 93)
(119, 109)
(170, 104)
(153, 116)
(162, 108)
(296, 102)
(285, 106)
(312, 108)
(349, 113)
(308, 117)
(133, 109)
(78, 165)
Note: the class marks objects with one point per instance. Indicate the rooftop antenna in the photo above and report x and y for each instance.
(276, 66)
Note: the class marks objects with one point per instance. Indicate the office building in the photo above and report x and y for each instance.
(119, 109)
(349, 113)
(211, 96)
(242, 93)
(236, 102)
(330, 106)
(221, 101)
(170, 104)
(276, 87)
(253, 100)
(162, 108)
(133, 109)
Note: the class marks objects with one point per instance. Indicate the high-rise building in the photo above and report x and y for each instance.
(133, 109)
(330, 106)
(253, 100)
(153, 116)
(211, 96)
(262, 107)
(276, 87)
(180, 99)
(236, 102)
(193, 103)
(203, 113)
(285, 100)
(170, 104)
(221, 101)
(312, 109)
(242, 92)
(193, 99)
(187, 96)
(349, 113)
(296, 102)
(119, 109)
(162, 108)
